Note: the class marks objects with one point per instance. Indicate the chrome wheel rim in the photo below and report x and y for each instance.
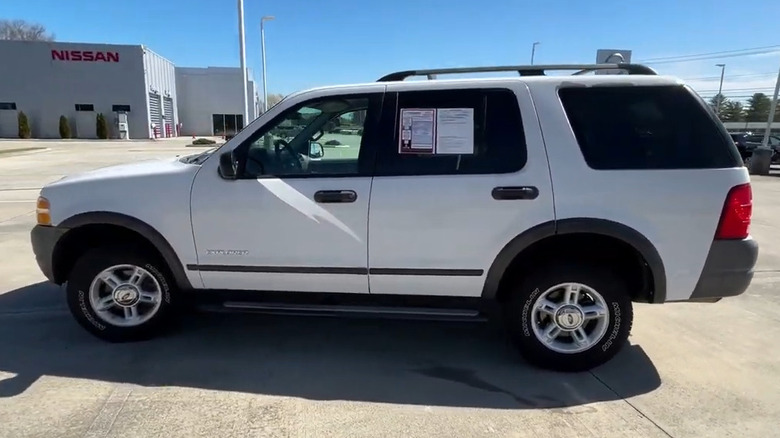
(570, 318)
(125, 295)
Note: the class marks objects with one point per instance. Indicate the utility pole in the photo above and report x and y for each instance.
(242, 48)
(772, 109)
(720, 89)
(533, 51)
(761, 160)
(262, 49)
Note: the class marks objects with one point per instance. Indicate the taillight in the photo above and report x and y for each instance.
(737, 211)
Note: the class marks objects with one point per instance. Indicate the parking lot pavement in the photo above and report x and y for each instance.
(692, 370)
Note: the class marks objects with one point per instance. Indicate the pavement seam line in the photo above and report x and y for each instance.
(104, 421)
(631, 404)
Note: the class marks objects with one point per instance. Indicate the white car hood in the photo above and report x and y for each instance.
(126, 171)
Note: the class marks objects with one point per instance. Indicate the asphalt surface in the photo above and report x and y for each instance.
(691, 370)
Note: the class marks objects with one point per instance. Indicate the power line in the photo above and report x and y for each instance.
(669, 58)
(704, 58)
(751, 75)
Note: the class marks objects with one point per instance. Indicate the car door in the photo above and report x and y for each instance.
(442, 209)
(296, 217)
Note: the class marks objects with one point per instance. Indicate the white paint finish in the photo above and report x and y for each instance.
(337, 283)
(428, 285)
(453, 222)
(677, 210)
(155, 192)
(279, 224)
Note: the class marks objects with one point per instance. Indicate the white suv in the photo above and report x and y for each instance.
(552, 201)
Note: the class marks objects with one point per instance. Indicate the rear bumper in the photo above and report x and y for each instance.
(728, 270)
(43, 240)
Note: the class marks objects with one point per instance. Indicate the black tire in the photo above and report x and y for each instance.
(95, 261)
(517, 316)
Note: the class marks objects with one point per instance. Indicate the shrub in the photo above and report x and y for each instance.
(332, 143)
(24, 126)
(203, 141)
(101, 127)
(64, 127)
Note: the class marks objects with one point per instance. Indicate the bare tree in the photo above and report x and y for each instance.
(273, 99)
(21, 30)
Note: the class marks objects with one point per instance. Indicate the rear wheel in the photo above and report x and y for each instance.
(120, 294)
(570, 317)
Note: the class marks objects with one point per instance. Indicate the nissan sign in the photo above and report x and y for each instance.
(84, 55)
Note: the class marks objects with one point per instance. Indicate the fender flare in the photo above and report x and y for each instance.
(578, 225)
(133, 224)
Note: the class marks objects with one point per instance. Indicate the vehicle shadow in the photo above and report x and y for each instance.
(389, 361)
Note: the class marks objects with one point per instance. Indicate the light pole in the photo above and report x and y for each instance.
(242, 48)
(720, 88)
(533, 51)
(262, 49)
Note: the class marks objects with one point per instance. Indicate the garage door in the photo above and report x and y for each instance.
(170, 123)
(155, 113)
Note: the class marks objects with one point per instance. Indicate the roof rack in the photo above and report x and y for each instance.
(522, 70)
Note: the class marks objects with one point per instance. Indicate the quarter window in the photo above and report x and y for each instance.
(498, 137)
(658, 127)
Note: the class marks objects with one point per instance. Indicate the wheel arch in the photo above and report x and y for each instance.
(573, 226)
(151, 236)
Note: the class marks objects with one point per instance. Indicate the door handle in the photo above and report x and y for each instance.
(509, 193)
(333, 196)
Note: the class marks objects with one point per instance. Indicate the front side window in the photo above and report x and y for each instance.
(455, 132)
(320, 137)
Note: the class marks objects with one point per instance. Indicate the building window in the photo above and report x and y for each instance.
(85, 107)
(121, 108)
(7, 105)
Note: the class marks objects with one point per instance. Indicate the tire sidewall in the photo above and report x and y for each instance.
(84, 272)
(607, 284)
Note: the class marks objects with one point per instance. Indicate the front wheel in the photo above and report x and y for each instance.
(120, 294)
(570, 317)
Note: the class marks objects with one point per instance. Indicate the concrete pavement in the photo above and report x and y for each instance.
(692, 370)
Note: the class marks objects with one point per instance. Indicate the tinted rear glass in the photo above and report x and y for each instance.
(660, 127)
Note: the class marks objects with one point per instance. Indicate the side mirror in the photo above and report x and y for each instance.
(228, 167)
(316, 150)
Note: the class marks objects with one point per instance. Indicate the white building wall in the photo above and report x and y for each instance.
(46, 85)
(204, 92)
(160, 78)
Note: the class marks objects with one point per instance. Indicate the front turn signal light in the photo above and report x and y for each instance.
(42, 212)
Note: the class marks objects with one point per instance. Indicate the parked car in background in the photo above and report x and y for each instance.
(744, 146)
(755, 141)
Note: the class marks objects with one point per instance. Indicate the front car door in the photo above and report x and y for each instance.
(437, 222)
(296, 218)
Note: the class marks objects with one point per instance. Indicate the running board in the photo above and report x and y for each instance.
(360, 311)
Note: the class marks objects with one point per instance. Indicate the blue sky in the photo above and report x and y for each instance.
(319, 42)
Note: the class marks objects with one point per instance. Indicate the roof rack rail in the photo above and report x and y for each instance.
(522, 70)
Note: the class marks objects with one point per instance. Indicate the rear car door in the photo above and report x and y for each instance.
(296, 219)
(441, 212)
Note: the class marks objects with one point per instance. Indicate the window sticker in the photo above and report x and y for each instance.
(418, 131)
(455, 131)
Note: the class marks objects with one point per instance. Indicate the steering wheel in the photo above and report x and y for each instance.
(282, 145)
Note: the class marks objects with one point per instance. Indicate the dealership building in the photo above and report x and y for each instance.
(140, 93)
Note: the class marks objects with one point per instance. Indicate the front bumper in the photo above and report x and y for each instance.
(44, 239)
(728, 269)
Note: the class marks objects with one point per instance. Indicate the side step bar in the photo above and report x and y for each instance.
(360, 311)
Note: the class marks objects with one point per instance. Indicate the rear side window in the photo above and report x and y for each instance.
(660, 127)
(498, 138)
